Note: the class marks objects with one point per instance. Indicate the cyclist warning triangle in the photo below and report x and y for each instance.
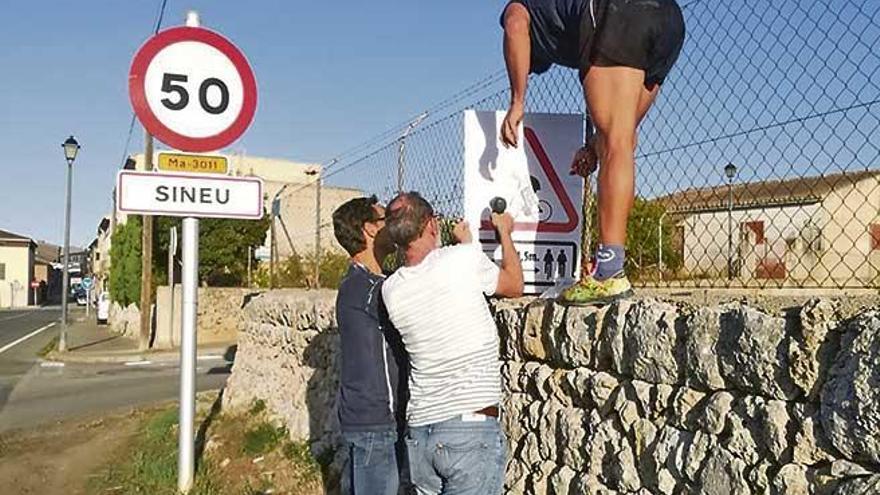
(533, 179)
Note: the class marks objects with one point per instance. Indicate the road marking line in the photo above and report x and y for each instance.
(210, 357)
(51, 364)
(138, 363)
(22, 339)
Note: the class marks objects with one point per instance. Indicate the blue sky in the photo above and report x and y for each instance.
(330, 76)
(782, 89)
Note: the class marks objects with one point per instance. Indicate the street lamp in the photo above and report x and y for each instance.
(730, 173)
(71, 148)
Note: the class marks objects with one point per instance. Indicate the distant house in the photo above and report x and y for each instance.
(17, 255)
(100, 254)
(813, 231)
(47, 272)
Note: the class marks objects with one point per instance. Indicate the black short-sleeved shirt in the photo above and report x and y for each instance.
(645, 35)
(556, 31)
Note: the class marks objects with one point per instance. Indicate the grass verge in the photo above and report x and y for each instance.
(47, 349)
(151, 464)
(243, 455)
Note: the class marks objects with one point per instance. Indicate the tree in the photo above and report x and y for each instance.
(643, 238)
(223, 248)
(125, 257)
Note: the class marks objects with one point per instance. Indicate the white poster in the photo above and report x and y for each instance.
(544, 199)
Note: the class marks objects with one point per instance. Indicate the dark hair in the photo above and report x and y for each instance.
(349, 220)
(406, 217)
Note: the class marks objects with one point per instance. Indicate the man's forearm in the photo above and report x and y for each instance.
(510, 262)
(517, 57)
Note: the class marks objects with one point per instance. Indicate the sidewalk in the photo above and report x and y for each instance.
(88, 342)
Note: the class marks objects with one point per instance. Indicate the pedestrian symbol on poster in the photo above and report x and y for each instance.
(533, 179)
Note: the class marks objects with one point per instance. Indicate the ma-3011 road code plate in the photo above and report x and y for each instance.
(196, 164)
(188, 195)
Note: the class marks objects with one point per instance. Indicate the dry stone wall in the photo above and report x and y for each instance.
(640, 397)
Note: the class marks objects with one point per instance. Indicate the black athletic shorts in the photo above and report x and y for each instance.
(642, 34)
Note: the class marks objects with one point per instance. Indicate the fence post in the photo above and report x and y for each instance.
(401, 149)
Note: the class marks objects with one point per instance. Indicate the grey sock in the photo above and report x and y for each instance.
(609, 261)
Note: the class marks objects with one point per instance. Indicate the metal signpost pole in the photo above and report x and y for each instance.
(172, 250)
(190, 299)
(186, 459)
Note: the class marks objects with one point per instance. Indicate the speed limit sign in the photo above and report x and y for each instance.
(192, 89)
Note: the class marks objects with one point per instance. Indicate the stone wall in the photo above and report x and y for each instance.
(288, 357)
(220, 314)
(641, 397)
(125, 321)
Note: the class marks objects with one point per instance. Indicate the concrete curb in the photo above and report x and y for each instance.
(121, 357)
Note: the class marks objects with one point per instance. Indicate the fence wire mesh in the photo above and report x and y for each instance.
(757, 166)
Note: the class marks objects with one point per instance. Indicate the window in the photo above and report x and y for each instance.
(757, 228)
(2, 271)
(874, 230)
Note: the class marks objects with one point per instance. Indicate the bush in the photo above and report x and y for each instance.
(125, 268)
(296, 272)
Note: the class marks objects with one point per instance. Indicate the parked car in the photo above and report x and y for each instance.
(103, 311)
(82, 298)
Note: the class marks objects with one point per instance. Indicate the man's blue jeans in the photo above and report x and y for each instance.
(457, 457)
(371, 465)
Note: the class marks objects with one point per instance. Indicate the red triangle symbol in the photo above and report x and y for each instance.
(558, 188)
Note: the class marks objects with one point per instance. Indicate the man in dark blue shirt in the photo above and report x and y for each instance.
(373, 376)
(624, 49)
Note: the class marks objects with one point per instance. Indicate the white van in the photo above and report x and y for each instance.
(103, 310)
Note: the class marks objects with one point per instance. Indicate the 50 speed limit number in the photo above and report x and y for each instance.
(192, 89)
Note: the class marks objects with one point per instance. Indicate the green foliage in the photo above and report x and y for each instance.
(298, 272)
(125, 268)
(332, 269)
(300, 454)
(152, 467)
(223, 248)
(643, 238)
(262, 438)
(257, 407)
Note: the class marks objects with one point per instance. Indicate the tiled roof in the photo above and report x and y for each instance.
(763, 193)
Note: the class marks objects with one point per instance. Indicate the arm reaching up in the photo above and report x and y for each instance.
(517, 57)
(510, 278)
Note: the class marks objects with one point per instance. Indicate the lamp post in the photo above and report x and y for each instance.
(71, 148)
(730, 173)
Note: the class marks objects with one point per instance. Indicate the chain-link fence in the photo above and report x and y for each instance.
(759, 165)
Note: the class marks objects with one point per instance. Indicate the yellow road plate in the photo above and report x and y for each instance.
(200, 164)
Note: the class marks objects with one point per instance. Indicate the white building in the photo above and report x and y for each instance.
(815, 231)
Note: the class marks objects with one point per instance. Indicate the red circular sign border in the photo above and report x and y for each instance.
(162, 132)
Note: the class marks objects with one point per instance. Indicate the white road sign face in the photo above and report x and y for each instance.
(210, 82)
(184, 195)
(543, 198)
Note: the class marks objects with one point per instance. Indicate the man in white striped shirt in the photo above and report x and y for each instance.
(437, 303)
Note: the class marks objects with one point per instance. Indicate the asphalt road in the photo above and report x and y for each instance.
(17, 359)
(32, 393)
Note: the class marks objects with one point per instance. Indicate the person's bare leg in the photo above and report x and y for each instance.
(617, 100)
